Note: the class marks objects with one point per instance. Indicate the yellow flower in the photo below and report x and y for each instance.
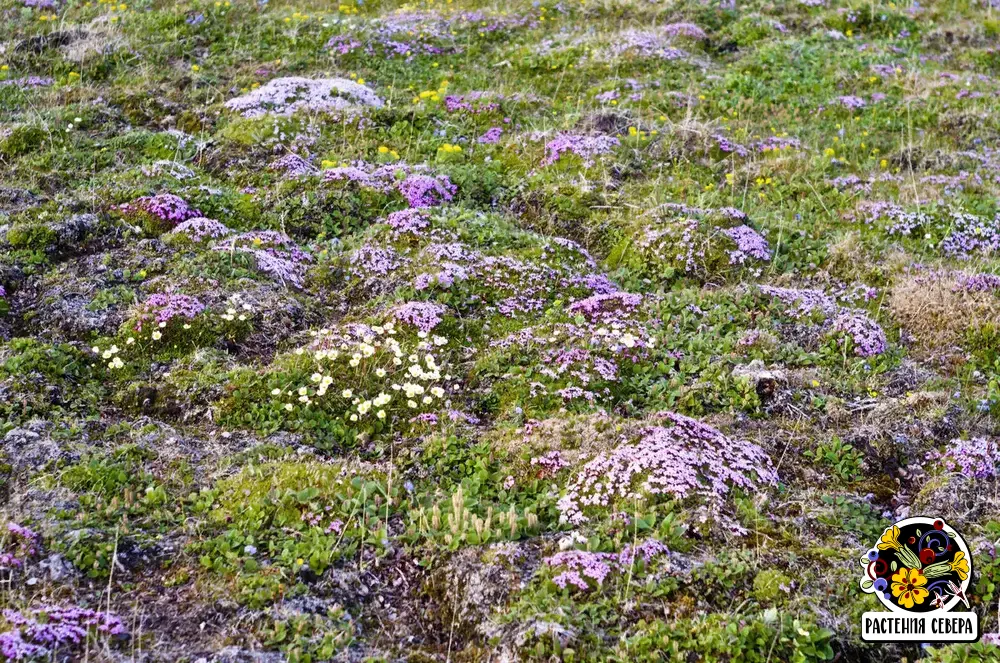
(960, 565)
(890, 539)
(908, 587)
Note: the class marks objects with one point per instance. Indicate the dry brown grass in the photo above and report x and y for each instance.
(937, 312)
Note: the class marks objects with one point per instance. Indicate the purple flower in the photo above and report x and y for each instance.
(977, 457)
(801, 302)
(749, 244)
(274, 253)
(292, 165)
(549, 464)
(342, 44)
(582, 566)
(285, 96)
(851, 102)
(200, 228)
(419, 189)
(685, 459)
(426, 190)
(585, 147)
(610, 305)
(776, 144)
(425, 316)
(164, 206)
(868, 338)
(684, 30)
(975, 282)
(491, 137)
(27, 83)
(408, 221)
(161, 308)
(971, 234)
(370, 260)
(644, 44)
(42, 632)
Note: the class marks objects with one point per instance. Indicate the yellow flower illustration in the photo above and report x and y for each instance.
(890, 539)
(908, 587)
(960, 565)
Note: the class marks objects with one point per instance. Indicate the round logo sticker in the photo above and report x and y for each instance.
(918, 565)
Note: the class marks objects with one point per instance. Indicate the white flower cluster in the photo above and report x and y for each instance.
(110, 356)
(408, 377)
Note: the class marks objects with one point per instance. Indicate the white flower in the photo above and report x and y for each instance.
(316, 377)
(347, 393)
(157, 336)
(303, 391)
(427, 400)
(106, 354)
(437, 391)
(354, 417)
(380, 414)
(412, 404)
(354, 362)
(380, 372)
(289, 406)
(382, 399)
(440, 340)
(162, 325)
(397, 361)
(130, 340)
(275, 392)
(364, 407)
(96, 349)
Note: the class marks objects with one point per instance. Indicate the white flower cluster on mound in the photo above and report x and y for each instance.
(285, 96)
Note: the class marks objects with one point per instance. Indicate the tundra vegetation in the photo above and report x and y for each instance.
(459, 330)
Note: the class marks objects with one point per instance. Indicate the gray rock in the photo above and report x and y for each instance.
(238, 655)
(30, 448)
